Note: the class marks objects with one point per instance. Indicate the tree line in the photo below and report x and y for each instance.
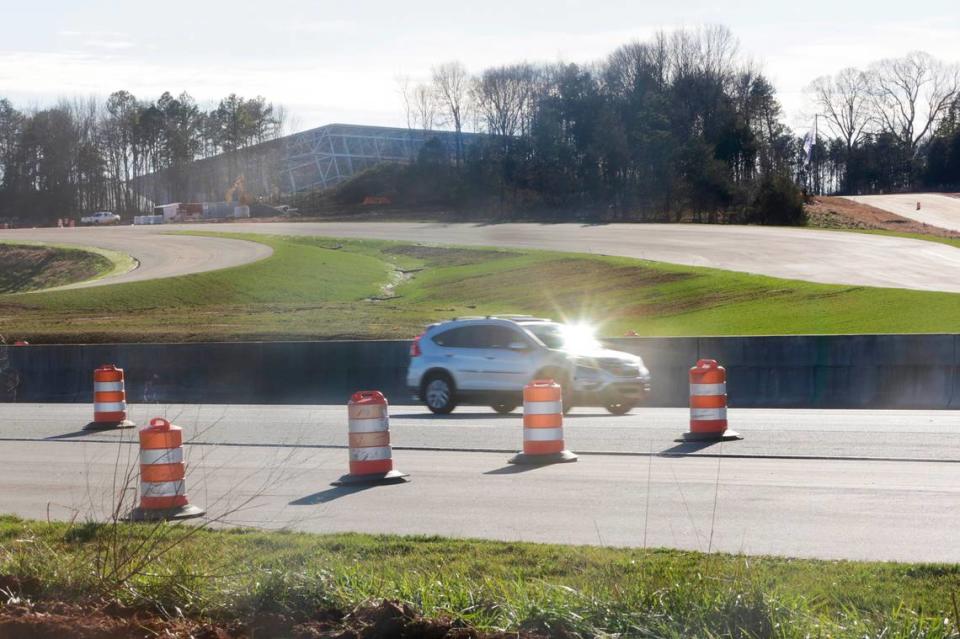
(894, 126)
(679, 127)
(85, 155)
(676, 126)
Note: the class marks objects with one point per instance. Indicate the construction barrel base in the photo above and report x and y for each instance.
(392, 477)
(725, 436)
(126, 423)
(166, 514)
(564, 456)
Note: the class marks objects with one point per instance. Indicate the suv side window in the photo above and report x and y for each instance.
(462, 337)
(497, 337)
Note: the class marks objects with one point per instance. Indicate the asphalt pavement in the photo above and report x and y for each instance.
(802, 254)
(832, 484)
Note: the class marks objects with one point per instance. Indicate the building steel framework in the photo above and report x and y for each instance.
(322, 157)
(314, 159)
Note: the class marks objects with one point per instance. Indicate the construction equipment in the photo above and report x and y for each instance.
(239, 188)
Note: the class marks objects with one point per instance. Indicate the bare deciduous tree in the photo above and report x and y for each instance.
(718, 49)
(633, 64)
(910, 95)
(425, 107)
(450, 85)
(419, 104)
(406, 100)
(505, 97)
(844, 101)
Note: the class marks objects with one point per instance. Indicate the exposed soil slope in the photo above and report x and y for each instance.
(29, 268)
(841, 213)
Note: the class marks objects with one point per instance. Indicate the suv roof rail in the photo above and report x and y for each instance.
(504, 317)
(529, 318)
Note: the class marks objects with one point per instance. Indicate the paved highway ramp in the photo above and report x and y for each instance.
(942, 211)
(827, 257)
(156, 255)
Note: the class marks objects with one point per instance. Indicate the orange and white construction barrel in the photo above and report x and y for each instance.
(708, 403)
(163, 491)
(371, 456)
(109, 398)
(543, 425)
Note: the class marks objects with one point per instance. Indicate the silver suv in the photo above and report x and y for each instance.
(488, 360)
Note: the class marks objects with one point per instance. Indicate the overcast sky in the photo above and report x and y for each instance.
(339, 61)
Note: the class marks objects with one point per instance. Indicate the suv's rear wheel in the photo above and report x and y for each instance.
(439, 393)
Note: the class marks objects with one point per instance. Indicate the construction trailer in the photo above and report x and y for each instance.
(225, 211)
(197, 211)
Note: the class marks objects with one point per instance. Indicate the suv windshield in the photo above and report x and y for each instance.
(567, 337)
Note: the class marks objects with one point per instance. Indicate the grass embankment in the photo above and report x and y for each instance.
(949, 241)
(590, 590)
(315, 288)
(30, 267)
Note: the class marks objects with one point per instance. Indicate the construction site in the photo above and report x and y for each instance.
(316, 159)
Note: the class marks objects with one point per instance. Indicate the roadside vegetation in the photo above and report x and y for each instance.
(30, 267)
(324, 288)
(556, 590)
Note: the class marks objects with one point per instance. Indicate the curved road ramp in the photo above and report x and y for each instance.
(157, 255)
(933, 209)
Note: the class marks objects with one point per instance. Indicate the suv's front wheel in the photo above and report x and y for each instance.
(439, 393)
(619, 407)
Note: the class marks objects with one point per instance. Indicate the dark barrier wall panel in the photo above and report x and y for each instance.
(820, 371)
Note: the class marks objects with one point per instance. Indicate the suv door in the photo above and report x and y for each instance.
(461, 356)
(501, 368)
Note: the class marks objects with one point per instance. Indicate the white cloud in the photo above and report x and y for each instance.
(794, 57)
(319, 26)
(340, 63)
(113, 45)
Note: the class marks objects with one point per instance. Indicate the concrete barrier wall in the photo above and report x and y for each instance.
(834, 371)
(819, 371)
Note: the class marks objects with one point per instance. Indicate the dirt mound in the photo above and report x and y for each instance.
(389, 620)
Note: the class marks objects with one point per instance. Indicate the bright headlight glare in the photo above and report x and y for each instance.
(579, 337)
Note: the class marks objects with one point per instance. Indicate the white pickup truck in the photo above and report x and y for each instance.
(101, 217)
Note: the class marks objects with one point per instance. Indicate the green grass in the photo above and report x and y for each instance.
(30, 266)
(590, 590)
(949, 241)
(319, 288)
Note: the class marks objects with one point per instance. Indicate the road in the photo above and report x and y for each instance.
(942, 211)
(157, 255)
(802, 254)
(833, 484)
